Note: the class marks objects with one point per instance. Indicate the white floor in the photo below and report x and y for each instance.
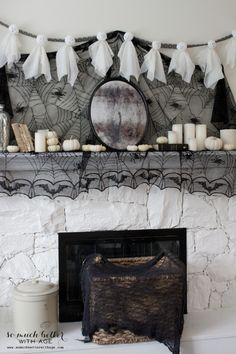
(207, 332)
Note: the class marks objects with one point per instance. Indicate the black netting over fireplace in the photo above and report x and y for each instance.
(74, 247)
(146, 298)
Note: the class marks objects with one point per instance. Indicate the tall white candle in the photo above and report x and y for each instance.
(192, 144)
(39, 142)
(201, 134)
(189, 132)
(178, 129)
(172, 137)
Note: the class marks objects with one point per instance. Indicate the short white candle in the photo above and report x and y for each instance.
(192, 144)
(201, 134)
(172, 137)
(178, 129)
(189, 132)
(39, 142)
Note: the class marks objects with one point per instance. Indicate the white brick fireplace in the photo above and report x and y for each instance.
(29, 227)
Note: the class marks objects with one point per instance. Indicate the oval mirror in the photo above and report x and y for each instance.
(118, 112)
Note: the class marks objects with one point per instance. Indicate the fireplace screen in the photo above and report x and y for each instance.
(76, 246)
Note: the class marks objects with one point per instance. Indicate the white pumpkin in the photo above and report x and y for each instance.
(86, 148)
(144, 147)
(132, 148)
(155, 147)
(52, 141)
(51, 134)
(96, 148)
(13, 148)
(213, 143)
(71, 145)
(229, 147)
(54, 148)
(162, 140)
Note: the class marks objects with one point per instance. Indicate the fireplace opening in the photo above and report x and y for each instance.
(74, 247)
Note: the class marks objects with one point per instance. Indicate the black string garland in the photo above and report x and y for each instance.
(93, 38)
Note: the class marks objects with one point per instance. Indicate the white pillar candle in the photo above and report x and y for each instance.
(178, 129)
(43, 131)
(172, 137)
(189, 132)
(192, 144)
(39, 142)
(201, 134)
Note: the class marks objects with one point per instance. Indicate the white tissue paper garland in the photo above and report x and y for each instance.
(37, 62)
(101, 55)
(66, 61)
(129, 64)
(153, 64)
(230, 49)
(10, 47)
(210, 64)
(181, 62)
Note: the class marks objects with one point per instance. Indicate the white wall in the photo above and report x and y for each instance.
(169, 21)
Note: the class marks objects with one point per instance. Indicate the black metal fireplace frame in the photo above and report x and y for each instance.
(71, 310)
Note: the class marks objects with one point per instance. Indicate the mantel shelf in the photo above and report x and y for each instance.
(67, 174)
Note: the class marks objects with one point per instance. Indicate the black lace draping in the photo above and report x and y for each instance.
(69, 174)
(145, 298)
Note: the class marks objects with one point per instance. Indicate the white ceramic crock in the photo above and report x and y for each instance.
(228, 136)
(35, 309)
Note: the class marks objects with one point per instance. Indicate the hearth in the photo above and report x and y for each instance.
(74, 247)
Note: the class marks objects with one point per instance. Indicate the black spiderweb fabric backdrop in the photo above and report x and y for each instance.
(58, 106)
(65, 109)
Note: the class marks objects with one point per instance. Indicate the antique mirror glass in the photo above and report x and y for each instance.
(118, 113)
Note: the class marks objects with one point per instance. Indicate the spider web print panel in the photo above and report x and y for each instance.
(58, 106)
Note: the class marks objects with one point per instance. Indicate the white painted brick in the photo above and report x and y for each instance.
(164, 207)
(219, 287)
(197, 212)
(199, 290)
(215, 300)
(232, 209)
(28, 243)
(6, 315)
(190, 242)
(45, 242)
(221, 204)
(229, 297)
(46, 263)
(18, 267)
(230, 230)
(6, 289)
(95, 194)
(91, 215)
(128, 195)
(222, 268)
(196, 263)
(52, 218)
(23, 215)
(15, 243)
(211, 241)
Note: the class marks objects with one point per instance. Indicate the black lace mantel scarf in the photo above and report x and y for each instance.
(58, 106)
(69, 174)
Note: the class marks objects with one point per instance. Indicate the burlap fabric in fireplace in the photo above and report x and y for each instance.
(146, 299)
